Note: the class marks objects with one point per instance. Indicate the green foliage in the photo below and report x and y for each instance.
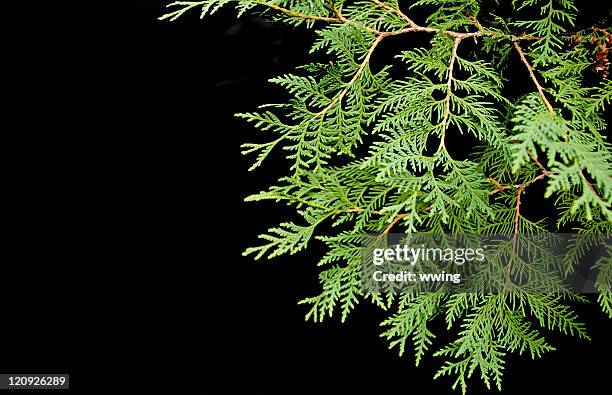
(411, 179)
(554, 17)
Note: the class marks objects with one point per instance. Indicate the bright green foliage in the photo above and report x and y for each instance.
(463, 82)
(553, 17)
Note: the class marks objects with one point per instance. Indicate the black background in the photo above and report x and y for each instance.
(133, 220)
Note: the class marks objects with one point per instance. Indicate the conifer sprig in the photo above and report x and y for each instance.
(411, 179)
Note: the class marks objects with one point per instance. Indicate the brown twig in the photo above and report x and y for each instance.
(396, 11)
(533, 77)
(341, 18)
(517, 215)
(544, 173)
(498, 187)
(360, 210)
(301, 15)
(392, 223)
(476, 22)
(362, 67)
(537, 163)
(589, 184)
(412, 26)
(449, 92)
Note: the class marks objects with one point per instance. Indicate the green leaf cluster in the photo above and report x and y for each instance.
(369, 150)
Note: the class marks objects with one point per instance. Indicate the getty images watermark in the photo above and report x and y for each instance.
(412, 255)
(476, 263)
